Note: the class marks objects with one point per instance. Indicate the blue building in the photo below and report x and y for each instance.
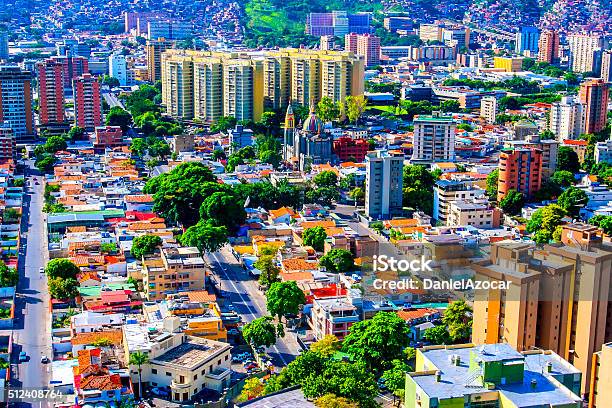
(527, 40)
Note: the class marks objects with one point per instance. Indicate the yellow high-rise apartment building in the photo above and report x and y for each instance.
(242, 85)
(559, 298)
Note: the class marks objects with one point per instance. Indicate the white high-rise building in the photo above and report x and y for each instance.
(567, 118)
(384, 182)
(434, 139)
(488, 108)
(585, 52)
(118, 68)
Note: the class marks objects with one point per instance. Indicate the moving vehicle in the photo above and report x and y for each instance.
(44, 359)
(23, 357)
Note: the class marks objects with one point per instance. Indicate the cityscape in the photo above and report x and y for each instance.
(332, 204)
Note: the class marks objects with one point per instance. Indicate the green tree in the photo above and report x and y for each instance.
(223, 124)
(602, 221)
(492, 182)
(54, 144)
(563, 178)
(76, 133)
(327, 346)
(513, 202)
(567, 160)
(8, 276)
(332, 401)
(179, 194)
(357, 194)
(139, 359)
(223, 209)
(418, 187)
(572, 200)
(353, 107)
(437, 335)
(458, 319)
(544, 223)
(547, 135)
(205, 236)
(326, 179)
(269, 271)
(119, 117)
(450, 106)
(61, 268)
(145, 245)
(63, 288)
(253, 388)
(314, 237)
(262, 332)
(338, 261)
(377, 341)
(110, 81)
(327, 110)
(395, 378)
(284, 298)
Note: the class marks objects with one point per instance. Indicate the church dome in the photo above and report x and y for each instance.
(313, 124)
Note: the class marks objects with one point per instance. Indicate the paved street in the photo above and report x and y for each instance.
(249, 301)
(111, 99)
(31, 331)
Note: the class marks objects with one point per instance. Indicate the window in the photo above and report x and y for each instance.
(168, 374)
(153, 371)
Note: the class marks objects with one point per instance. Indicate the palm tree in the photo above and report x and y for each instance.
(138, 359)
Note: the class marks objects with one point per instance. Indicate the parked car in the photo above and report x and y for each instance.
(23, 357)
(251, 366)
(233, 332)
(44, 359)
(41, 270)
(159, 392)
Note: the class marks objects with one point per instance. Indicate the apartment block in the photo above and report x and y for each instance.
(208, 85)
(549, 148)
(447, 192)
(87, 102)
(8, 146)
(337, 23)
(434, 139)
(384, 180)
(170, 29)
(187, 365)
(73, 67)
(601, 381)
(243, 89)
(520, 170)
(567, 118)
(207, 89)
(527, 40)
(478, 213)
(492, 375)
(108, 137)
(154, 50)
(508, 64)
(16, 101)
(173, 270)
(333, 315)
(603, 152)
(585, 50)
(118, 68)
(559, 298)
(548, 47)
(488, 108)
(606, 66)
(594, 94)
(50, 92)
(177, 85)
(365, 45)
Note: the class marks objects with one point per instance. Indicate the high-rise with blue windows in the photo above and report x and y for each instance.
(527, 40)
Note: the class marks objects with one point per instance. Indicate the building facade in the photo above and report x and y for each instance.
(594, 94)
(50, 92)
(519, 170)
(488, 108)
(585, 52)
(384, 181)
(527, 40)
(434, 139)
(567, 118)
(365, 45)
(548, 47)
(16, 101)
(154, 50)
(87, 102)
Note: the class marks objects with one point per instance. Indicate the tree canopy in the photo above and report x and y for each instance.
(144, 245)
(205, 236)
(61, 268)
(283, 298)
(513, 202)
(314, 237)
(338, 260)
(377, 341)
(262, 331)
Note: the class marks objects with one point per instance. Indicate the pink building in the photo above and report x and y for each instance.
(366, 45)
(87, 102)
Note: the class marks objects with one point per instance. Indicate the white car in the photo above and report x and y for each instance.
(41, 270)
(44, 359)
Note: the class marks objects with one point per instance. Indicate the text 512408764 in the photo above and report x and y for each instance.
(34, 395)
